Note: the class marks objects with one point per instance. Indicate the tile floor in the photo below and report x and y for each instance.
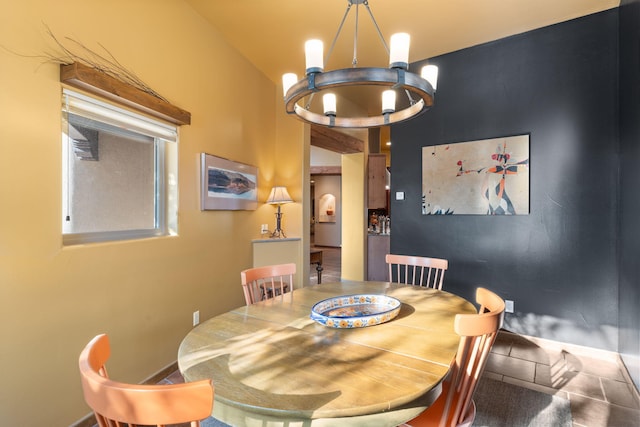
(330, 265)
(595, 382)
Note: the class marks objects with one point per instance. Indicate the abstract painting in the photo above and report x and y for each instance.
(485, 177)
(227, 185)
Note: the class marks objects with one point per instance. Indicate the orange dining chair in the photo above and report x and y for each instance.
(117, 404)
(416, 270)
(260, 283)
(455, 407)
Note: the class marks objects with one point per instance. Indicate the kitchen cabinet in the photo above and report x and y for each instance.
(378, 246)
(376, 181)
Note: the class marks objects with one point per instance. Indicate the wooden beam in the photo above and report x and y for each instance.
(325, 170)
(98, 83)
(333, 140)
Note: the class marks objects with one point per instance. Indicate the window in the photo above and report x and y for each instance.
(119, 172)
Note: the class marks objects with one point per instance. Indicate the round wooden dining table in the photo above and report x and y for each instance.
(272, 365)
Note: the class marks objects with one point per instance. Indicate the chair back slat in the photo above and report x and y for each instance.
(117, 404)
(415, 270)
(260, 283)
(477, 333)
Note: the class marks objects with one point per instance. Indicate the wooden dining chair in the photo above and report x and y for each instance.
(260, 283)
(455, 407)
(416, 270)
(117, 404)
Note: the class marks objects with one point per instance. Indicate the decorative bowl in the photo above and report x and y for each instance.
(355, 311)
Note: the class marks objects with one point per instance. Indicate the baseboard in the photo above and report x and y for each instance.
(87, 421)
(609, 356)
(596, 353)
(161, 374)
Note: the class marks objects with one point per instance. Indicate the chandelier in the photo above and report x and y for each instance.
(419, 89)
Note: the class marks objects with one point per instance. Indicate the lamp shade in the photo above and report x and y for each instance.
(288, 80)
(279, 196)
(388, 101)
(430, 74)
(313, 54)
(399, 51)
(329, 103)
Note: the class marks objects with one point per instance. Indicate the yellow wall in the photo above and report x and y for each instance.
(354, 225)
(291, 165)
(142, 293)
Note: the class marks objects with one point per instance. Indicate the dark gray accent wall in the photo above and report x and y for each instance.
(558, 84)
(629, 187)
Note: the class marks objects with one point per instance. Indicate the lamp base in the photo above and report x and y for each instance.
(278, 233)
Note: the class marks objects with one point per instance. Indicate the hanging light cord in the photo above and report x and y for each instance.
(384, 43)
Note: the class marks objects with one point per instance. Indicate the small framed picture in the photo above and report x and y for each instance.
(227, 185)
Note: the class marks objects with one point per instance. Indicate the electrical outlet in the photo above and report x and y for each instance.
(264, 228)
(508, 306)
(196, 317)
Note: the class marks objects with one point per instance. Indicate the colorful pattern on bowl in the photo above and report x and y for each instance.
(355, 311)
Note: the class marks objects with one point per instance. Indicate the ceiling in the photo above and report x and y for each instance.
(271, 33)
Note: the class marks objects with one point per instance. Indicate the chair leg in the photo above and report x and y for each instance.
(469, 416)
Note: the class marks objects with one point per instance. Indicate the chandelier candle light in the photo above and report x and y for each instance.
(279, 196)
(420, 89)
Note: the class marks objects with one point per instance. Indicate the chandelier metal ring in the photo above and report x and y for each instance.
(419, 89)
(394, 78)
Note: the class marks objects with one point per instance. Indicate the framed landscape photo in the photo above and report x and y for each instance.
(484, 177)
(227, 185)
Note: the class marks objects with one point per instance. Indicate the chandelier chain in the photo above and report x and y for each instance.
(411, 100)
(375, 23)
(335, 39)
(354, 62)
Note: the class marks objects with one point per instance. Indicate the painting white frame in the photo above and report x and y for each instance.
(484, 177)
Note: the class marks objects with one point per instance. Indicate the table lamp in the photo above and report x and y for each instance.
(278, 196)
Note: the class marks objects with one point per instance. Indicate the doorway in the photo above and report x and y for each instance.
(327, 211)
(327, 156)
(326, 226)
